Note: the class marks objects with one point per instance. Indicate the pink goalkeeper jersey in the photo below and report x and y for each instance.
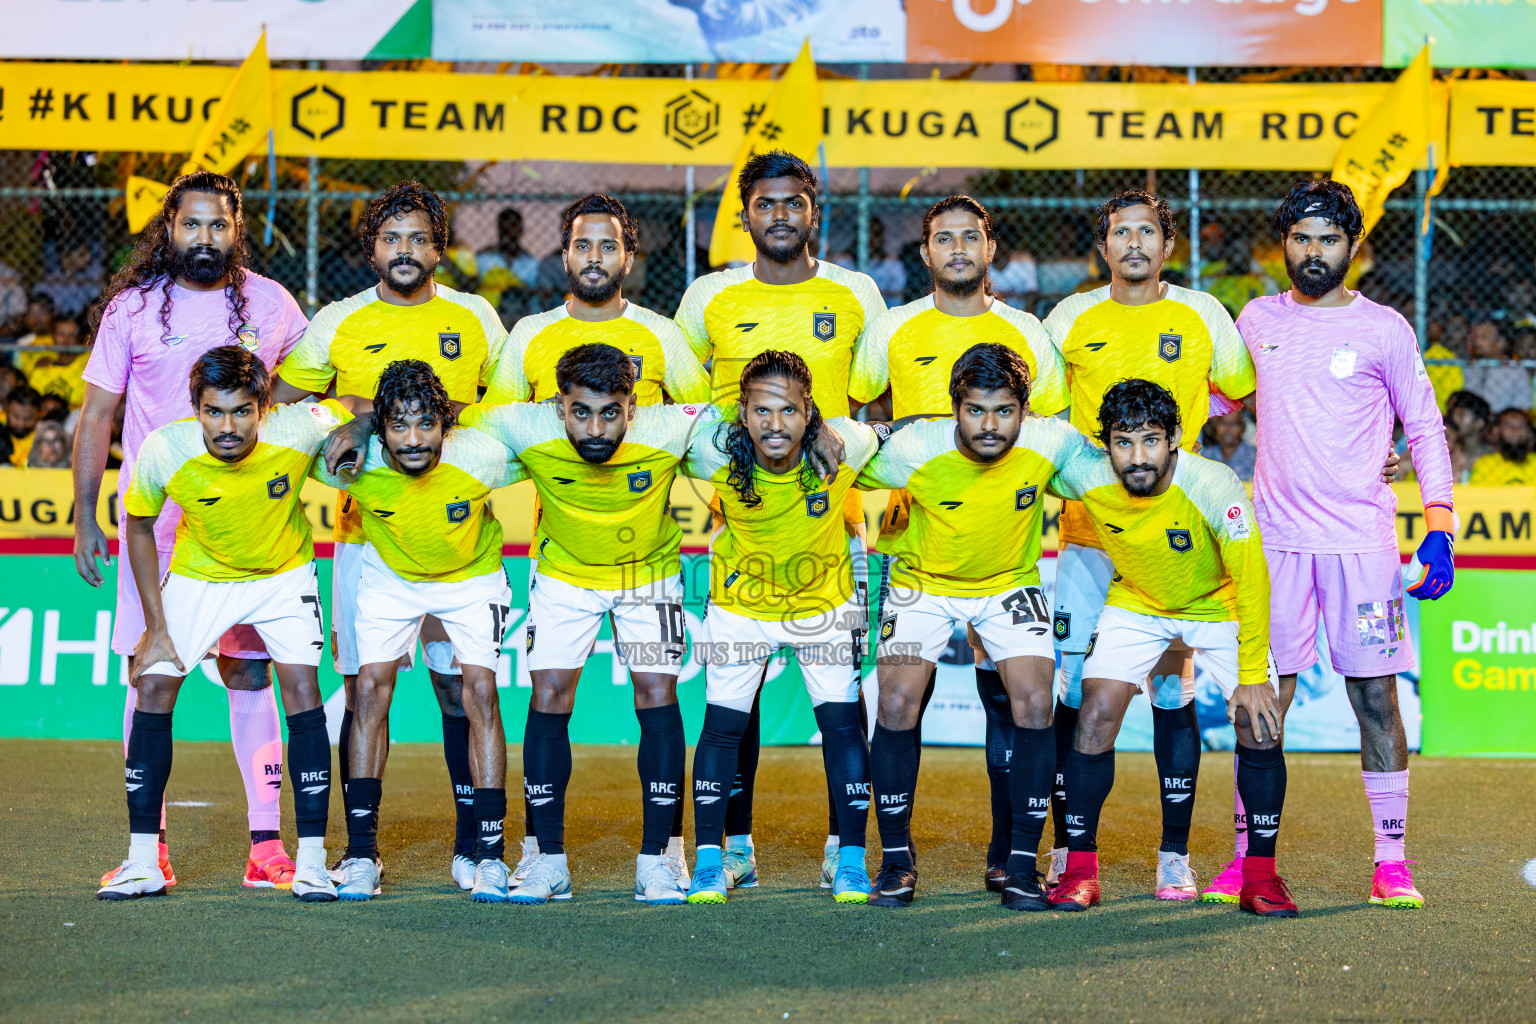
(135, 357)
(1329, 384)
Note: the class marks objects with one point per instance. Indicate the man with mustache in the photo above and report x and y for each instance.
(1137, 326)
(1334, 370)
(907, 355)
(787, 301)
(603, 466)
(187, 288)
(421, 490)
(403, 233)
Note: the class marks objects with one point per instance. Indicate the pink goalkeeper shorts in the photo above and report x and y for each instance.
(1360, 597)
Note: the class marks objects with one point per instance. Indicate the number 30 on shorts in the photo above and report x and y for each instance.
(1027, 605)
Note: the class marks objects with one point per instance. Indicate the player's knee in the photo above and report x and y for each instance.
(552, 697)
(450, 693)
(245, 674)
(1032, 710)
(157, 694)
(655, 691)
(898, 710)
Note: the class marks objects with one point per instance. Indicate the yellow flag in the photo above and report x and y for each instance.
(1390, 142)
(791, 121)
(146, 198)
(1439, 145)
(241, 120)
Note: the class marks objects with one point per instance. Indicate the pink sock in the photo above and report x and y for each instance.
(1388, 794)
(129, 703)
(1239, 816)
(258, 744)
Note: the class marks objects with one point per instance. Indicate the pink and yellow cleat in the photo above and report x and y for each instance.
(165, 869)
(1393, 886)
(268, 867)
(1227, 886)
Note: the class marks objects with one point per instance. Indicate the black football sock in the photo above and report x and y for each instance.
(714, 762)
(309, 770)
(1029, 781)
(146, 769)
(999, 740)
(738, 809)
(546, 774)
(456, 754)
(846, 759)
(1065, 724)
(1261, 782)
(1176, 748)
(489, 808)
(893, 773)
(660, 761)
(362, 802)
(344, 744)
(1090, 777)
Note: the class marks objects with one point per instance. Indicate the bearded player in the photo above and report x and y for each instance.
(787, 301)
(907, 355)
(188, 288)
(408, 315)
(1335, 369)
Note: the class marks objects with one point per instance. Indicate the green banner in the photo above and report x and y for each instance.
(1487, 34)
(59, 678)
(1478, 685)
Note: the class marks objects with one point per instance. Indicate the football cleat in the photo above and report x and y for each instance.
(1078, 888)
(268, 867)
(1227, 884)
(548, 879)
(131, 881)
(851, 884)
(828, 864)
(1023, 892)
(656, 882)
(740, 864)
(359, 879)
(1058, 865)
(1175, 878)
(1393, 886)
(676, 864)
(894, 886)
(311, 882)
(462, 869)
(1264, 893)
(489, 884)
(709, 884)
(165, 869)
(995, 877)
(525, 861)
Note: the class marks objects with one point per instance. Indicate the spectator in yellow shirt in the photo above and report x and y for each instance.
(1511, 465)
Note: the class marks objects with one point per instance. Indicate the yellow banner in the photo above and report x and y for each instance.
(39, 503)
(1493, 123)
(442, 116)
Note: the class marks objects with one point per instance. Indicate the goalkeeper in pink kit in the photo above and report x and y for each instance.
(1334, 369)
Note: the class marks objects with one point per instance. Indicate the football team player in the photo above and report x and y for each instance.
(243, 555)
(187, 288)
(1184, 541)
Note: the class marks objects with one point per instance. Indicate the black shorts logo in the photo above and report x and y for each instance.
(816, 504)
(458, 511)
(448, 344)
(528, 646)
(1180, 541)
(887, 628)
(279, 487)
(1169, 346)
(639, 482)
(824, 326)
(1061, 625)
(1024, 498)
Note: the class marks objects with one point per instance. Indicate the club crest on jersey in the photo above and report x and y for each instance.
(1169, 346)
(1061, 625)
(449, 345)
(249, 337)
(1024, 498)
(458, 511)
(824, 325)
(639, 482)
(1180, 541)
(887, 629)
(816, 504)
(277, 488)
(639, 364)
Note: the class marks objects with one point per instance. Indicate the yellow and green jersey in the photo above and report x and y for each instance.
(352, 340)
(730, 316)
(1192, 552)
(603, 527)
(975, 526)
(663, 360)
(239, 520)
(1186, 342)
(787, 556)
(912, 349)
(437, 526)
